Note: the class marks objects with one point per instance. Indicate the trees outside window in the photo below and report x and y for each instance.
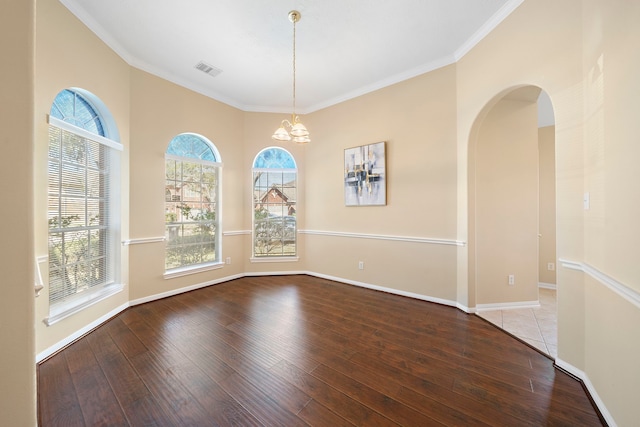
(192, 229)
(82, 205)
(274, 204)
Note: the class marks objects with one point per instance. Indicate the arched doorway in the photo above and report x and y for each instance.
(512, 215)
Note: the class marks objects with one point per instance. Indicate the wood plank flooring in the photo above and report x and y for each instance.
(298, 351)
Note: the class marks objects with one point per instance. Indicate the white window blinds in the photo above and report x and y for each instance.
(82, 235)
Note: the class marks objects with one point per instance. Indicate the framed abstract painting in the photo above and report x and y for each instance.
(365, 175)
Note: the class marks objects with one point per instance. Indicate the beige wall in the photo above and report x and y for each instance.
(582, 52)
(416, 118)
(611, 350)
(160, 110)
(611, 128)
(547, 204)
(17, 351)
(506, 202)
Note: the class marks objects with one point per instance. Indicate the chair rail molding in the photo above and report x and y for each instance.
(621, 289)
(411, 239)
(143, 240)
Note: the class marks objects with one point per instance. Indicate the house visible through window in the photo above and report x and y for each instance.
(191, 202)
(82, 210)
(274, 204)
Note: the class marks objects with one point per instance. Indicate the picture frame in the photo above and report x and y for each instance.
(365, 175)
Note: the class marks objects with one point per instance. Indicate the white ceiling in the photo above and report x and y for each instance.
(345, 48)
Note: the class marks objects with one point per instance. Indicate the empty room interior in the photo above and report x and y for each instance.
(335, 193)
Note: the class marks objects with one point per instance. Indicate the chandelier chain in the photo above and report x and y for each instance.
(294, 68)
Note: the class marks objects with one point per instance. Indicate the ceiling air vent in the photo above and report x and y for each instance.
(209, 69)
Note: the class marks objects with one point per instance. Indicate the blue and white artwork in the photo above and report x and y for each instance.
(365, 175)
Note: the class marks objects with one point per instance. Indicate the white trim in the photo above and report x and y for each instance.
(194, 159)
(486, 28)
(275, 273)
(466, 309)
(186, 271)
(387, 290)
(592, 390)
(38, 282)
(572, 265)
(631, 295)
(507, 305)
(274, 259)
(429, 240)
(143, 240)
(183, 290)
(363, 90)
(53, 121)
(80, 301)
(544, 285)
(79, 333)
(131, 59)
(237, 233)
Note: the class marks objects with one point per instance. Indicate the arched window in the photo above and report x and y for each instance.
(274, 204)
(82, 208)
(71, 107)
(191, 203)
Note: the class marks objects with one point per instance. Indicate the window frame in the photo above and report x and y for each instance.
(256, 201)
(187, 269)
(88, 294)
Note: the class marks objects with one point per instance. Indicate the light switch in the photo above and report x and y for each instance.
(587, 201)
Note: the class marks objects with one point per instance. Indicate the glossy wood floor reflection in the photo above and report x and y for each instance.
(298, 350)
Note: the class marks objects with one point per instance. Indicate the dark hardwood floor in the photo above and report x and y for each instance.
(299, 350)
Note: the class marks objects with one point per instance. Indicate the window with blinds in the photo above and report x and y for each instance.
(82, 237)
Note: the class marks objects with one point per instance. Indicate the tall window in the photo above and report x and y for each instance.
(191, 202)
(274, 204)
(82, 213)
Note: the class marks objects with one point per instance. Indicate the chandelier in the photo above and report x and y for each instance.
(294, 129)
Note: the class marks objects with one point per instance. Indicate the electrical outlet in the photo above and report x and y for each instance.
(360, 265)
(512, 279)
(228, 260)
(551, 266)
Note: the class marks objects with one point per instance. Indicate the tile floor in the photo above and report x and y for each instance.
(536, 326)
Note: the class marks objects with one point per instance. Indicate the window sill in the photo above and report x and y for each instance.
(185, 271)
(64, 309)
(275, 259)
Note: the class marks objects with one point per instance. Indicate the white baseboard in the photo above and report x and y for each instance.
(384, 289)
(183, 290)
(592, 390)
(626, 292)
(544, 285)
(71, 338)
(79, 333)
(273, 273)
(468, 310)
(507, 305)
(82, 331)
